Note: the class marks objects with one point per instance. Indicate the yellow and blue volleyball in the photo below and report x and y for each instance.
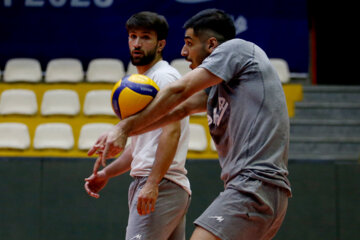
(132, 94)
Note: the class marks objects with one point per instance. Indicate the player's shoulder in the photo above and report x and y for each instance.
(165, 74)
(235, 43)
(165, 70)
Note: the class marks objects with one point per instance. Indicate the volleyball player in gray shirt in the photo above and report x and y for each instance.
(248, 122)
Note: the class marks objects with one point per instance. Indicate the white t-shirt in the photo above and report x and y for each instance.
(144, 146)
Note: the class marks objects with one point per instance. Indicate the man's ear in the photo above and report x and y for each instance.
(212, 43)
(161, 45)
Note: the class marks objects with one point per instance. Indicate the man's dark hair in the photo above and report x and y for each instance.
(213, 21)
(150, 21)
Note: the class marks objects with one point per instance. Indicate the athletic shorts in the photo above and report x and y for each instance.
(255, 213)
(167, 222)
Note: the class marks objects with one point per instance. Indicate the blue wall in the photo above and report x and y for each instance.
(87, 29)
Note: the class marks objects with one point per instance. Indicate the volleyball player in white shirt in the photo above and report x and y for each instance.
(159, 196)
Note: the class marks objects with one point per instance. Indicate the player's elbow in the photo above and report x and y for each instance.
(181, 112)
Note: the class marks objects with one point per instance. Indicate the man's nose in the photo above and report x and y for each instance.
(184, 52)
(137, 42)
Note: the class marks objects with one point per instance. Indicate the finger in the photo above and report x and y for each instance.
(152, 205)
(147, 207)
(91, 193)
(89, 178)
(97, 165)
(105, 154)
(92, 151)
(141, 206)
(97, 146)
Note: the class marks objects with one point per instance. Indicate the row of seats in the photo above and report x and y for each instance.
(60, 136)
(72, 70)
(99, 70)
(55, 102)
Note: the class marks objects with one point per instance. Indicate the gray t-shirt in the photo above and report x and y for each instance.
(247, 115)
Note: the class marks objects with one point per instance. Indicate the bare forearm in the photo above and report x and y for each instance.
(166, 100)
(165, 154)
(194, 104)
(120, 165)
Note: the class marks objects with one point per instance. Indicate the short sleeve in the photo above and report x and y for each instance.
(228, 59)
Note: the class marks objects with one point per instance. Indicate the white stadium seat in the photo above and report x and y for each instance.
(90, 132)
(14, 136)
(212, 145)
(54, 136)
(198, 139)
(181, 65)
(98, 102)
(18, 101)
(105, 70)
(64, 70)
(22, 70)
(60, 101)
(282, 68)
(131, 69)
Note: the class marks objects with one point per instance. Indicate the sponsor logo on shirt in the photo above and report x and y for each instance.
(218, 112)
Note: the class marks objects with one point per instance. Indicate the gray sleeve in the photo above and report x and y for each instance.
(229, 59)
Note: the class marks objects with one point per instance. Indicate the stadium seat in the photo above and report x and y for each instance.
(98, 102)
(60, 102)
(90, 132)
(282, 69)
(64, 70)
(200, 114)
(105, 70)
(212, 145)
(198, 139)
(18, 101)
(14, 136)
(181, 65)
(54, 136)
(131, 69)
(22, 70)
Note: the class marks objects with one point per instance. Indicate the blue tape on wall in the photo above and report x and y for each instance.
(87, 29)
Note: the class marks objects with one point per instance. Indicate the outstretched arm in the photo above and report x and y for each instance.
(168, 98)
(165, 101)
(194, 104)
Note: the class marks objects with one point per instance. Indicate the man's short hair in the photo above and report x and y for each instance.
(150, 21)
(213, 21)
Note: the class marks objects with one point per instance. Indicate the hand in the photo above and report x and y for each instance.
(147, 198)
(115, 143)
(95, 183)
(99, 145)
(108, 145)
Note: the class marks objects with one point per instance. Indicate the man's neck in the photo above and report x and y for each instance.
(144, 68)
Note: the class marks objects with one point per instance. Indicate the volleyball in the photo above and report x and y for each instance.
(132, 94)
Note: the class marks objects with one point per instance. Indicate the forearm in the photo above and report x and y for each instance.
(165, 101)
(165, 154)
(194, 104)
(120, 165)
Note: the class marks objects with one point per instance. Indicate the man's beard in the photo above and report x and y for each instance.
(145, 59)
